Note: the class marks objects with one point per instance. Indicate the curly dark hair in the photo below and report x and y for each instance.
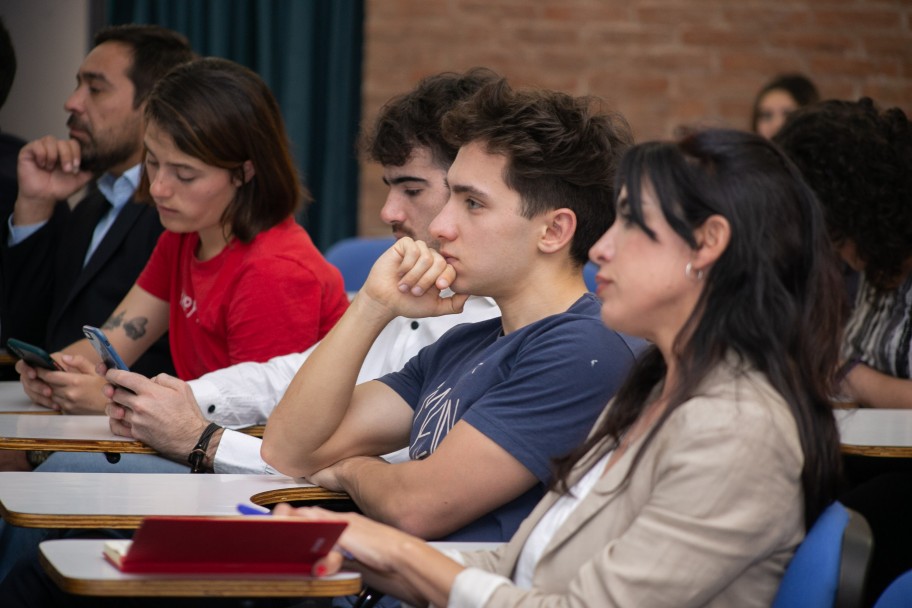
(858, 161)
(413, 119)
(562, 151)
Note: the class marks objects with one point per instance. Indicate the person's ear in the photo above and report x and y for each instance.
(249, 172)
(713, 238)
(558, 228)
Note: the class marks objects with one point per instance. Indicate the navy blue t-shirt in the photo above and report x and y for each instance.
(535, 393)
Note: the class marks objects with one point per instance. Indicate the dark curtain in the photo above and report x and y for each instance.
(309, 53)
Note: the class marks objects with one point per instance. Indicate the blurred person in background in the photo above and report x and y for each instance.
(777, 99)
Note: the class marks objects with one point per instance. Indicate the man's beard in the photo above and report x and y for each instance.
(399, 231)
(96, 159)
(101, 161)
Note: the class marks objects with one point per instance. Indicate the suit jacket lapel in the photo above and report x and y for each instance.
(116, 234)
(118, 231)
(597, 499)
(76, 239)
(603, 493)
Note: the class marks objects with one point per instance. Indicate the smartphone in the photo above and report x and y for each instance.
(33, 355)
(103, 347)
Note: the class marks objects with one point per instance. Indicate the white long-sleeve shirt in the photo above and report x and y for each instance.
(245, 394)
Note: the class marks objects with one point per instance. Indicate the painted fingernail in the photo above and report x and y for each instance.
(319, 570)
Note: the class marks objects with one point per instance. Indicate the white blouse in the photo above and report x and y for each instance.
(474, 586)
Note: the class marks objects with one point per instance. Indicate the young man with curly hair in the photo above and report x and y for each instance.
(484, 409)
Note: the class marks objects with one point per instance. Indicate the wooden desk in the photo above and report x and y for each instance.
(14, 401)
(25, 431)
(77, 566)
(121, 500)
(875, 432)
(254, 431)
(65, 434)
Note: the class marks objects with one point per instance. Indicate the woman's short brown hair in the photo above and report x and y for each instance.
(224, 114)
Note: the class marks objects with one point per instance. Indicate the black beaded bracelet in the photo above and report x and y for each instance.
(197, 457)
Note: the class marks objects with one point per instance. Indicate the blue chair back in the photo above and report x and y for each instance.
(354, 258)
(829, 566)
(589, 272)
(898, 594)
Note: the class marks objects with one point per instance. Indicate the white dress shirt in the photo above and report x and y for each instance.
(245, 394)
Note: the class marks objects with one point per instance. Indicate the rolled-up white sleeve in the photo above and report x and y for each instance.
(240, 453)
(246, 393)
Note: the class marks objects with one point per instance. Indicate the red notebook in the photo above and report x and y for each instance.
(224, 545)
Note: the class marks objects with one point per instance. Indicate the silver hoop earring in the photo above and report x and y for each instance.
(689, 272)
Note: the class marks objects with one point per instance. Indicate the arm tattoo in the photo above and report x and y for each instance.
(136, 327)
(114, 321)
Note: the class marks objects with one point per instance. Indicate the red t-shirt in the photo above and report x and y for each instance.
(273, 296)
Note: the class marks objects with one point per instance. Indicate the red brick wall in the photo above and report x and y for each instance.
(662, 63)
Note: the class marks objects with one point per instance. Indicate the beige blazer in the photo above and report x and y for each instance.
(711, 516)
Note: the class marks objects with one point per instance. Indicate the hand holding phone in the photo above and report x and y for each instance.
(33, 355)
(104, 348)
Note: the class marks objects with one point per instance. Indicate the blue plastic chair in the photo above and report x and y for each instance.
(898, 594)
(354, 258)
(589, 272)
(829, 568)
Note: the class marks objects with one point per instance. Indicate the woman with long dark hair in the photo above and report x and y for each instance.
(701, 477)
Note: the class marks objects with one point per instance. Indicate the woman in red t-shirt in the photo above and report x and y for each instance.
(233, 278)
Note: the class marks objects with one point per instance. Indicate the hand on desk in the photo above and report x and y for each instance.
(388, 559)
(363, 538)
(161, 412)
(334, 477)
(870, 387)
(77, 390)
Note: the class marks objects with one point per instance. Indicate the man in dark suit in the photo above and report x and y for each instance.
(63, 268)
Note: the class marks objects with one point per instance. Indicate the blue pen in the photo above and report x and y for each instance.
(245, 510)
